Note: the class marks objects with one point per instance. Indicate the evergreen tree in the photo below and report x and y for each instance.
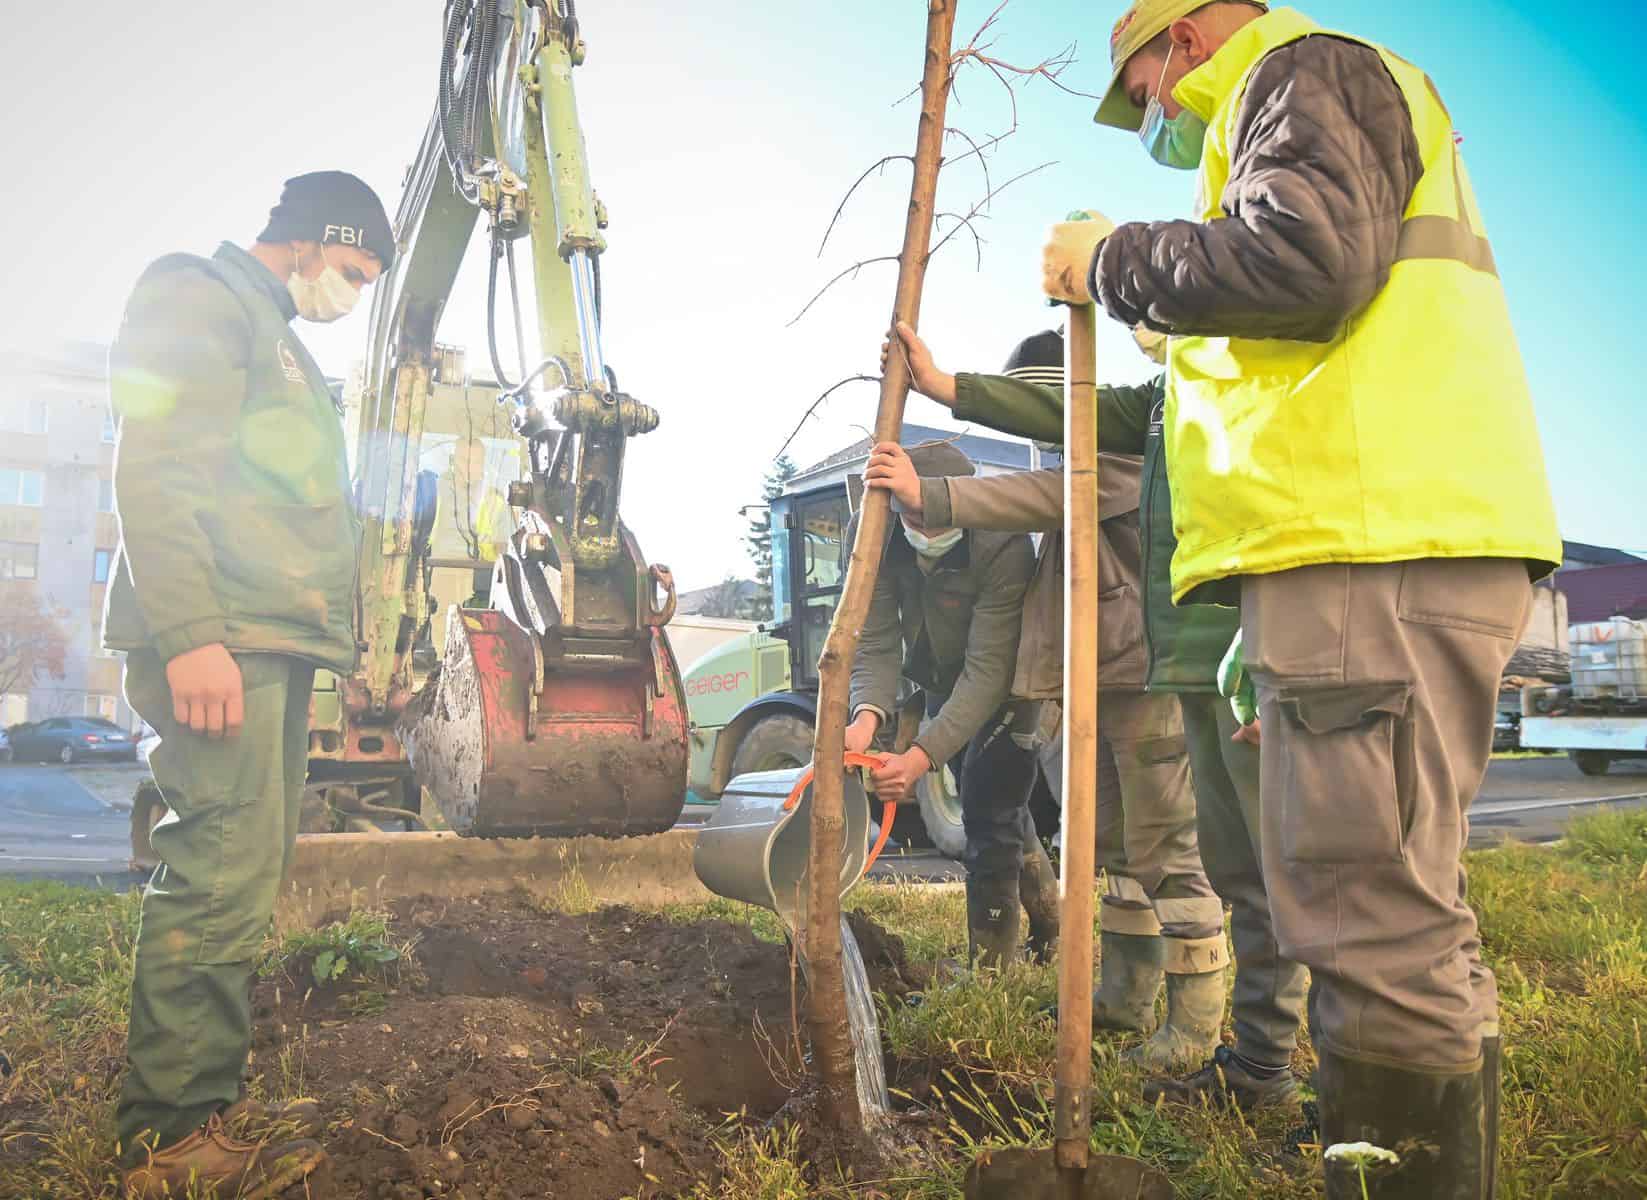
(759, 537)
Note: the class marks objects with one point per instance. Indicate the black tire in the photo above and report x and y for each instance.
(148, 806)
(777, 742)
(1591, 762)
(66, 755)
(941, 812)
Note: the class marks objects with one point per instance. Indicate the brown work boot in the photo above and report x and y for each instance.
(299, 1118)
(210, 1163)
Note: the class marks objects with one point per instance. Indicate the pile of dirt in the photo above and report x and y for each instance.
(530, 1053)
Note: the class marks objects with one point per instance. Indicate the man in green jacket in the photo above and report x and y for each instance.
(945, 615)
(235, 581)
(1183, 648)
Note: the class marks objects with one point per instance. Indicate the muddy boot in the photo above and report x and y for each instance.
(1038, 889)
(1130, 967)
(300, 1117)
(1228, 1080)
(992, 916)
(210, 1163)
(1434, 1124)
(1195, 1006)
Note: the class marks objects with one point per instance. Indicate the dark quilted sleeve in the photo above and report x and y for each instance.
(1324, 163)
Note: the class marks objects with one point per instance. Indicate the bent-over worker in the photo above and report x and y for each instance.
(945, 615)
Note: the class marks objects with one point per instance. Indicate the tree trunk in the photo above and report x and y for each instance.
(827, 1019)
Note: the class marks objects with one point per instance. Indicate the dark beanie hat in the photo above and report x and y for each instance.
(332, 208)
(1038, 359)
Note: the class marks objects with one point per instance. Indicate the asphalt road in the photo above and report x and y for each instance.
(54, 826)
(65, 822)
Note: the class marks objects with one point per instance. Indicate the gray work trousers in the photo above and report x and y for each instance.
(1268, 1000)
(1377, 685)
(1154, 881)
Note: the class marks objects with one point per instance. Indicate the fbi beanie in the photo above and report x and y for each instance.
(332, 208)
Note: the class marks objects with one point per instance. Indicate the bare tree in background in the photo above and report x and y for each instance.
(34, 644)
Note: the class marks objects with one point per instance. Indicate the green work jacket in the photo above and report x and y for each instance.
(231, 476)
(1183, 644)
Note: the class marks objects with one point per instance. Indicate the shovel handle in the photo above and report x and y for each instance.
(1072, 1077)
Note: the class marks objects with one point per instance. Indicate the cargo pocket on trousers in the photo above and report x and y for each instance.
(1120, 624)
(248, 827)
(1343, 772)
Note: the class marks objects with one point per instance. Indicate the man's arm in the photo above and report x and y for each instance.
(1033, 410)
(177, 374)
(1324, 163)
(1016, 502)
(991, 653)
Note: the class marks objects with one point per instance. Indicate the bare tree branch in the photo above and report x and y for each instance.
(841, 207)
(852, 271)
(977, 239)
(966, 221)
(813, 407)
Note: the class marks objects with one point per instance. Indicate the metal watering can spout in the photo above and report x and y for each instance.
(757, 845)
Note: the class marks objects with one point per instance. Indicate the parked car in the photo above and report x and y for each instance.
(71, 739)
(5, 747)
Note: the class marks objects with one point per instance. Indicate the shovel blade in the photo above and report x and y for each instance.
(1020, 1173)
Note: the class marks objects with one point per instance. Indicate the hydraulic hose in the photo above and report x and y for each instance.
(492, 315)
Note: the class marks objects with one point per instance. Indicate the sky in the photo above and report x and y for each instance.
(721, 138)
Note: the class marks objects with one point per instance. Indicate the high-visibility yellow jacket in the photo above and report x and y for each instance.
(1409, 434)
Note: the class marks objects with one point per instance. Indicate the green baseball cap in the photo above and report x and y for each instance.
(1137, 27)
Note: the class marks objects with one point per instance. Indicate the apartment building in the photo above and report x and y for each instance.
(58, 532)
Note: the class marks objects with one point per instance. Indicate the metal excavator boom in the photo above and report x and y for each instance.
(556, 710)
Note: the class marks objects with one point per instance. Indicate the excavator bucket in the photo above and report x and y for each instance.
(510, 749)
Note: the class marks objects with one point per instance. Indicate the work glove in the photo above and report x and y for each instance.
(1067, 256)
(1235, 684)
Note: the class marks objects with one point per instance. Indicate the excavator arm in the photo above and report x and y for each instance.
(557, 710)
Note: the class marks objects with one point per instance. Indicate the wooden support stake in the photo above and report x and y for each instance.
(1072, 1070)
(827, 1019)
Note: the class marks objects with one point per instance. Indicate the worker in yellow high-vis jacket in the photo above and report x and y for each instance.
(1354, 461)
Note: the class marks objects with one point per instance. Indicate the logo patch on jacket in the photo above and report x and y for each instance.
(289, 366)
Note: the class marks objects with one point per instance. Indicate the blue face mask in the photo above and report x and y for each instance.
(1176, 142)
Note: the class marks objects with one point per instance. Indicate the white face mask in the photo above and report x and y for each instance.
(326, 297)
(932, 547)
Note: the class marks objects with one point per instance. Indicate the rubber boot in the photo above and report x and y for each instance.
(1038, 889)
(992, 918)
(209, 1162)
(1130, 967)
(1436, 1123)
(1195, 1006)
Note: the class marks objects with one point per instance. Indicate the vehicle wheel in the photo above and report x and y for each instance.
(941, 812)
(1591, 762)
(779, 742)
(148, 806)
(66, 755)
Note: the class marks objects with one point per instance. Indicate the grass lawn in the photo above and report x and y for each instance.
(1564, 927)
